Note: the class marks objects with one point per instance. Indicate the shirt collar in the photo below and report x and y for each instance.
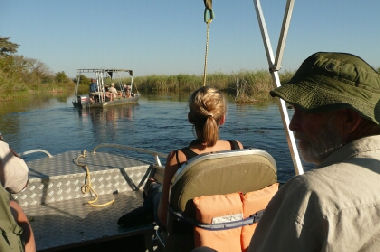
(352, 149)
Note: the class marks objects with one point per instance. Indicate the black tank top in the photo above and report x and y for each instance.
(190, 154)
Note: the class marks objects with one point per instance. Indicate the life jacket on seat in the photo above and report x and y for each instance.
(217, 199)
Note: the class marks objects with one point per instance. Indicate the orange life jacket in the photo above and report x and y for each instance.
(229, 208)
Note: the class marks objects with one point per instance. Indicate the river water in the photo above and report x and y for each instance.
(157, 123)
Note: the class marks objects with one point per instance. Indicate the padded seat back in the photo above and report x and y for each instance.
(222, 173)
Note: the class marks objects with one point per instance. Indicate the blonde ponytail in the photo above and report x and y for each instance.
(207, 107)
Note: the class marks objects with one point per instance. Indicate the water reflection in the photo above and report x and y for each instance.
(27, 102)
(107, 124)
(108, 114)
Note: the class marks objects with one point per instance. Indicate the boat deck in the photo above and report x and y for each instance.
(58, 210)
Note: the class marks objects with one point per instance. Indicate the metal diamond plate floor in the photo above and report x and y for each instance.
(58, 210)
(63, 163)
(72, 222)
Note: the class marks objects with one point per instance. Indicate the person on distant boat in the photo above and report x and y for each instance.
(93, 86)
(207, 113)
(93, 90)
(113, 91)
(336, 206)
(127, 91)
(107, 94)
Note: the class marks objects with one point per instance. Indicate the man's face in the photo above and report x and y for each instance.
(317, 134)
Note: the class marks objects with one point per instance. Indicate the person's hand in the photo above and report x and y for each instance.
(20, 217)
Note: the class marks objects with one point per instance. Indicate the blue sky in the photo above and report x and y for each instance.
(169, 37)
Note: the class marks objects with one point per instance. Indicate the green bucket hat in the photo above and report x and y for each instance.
(329, 80)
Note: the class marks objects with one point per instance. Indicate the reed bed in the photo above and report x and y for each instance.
(245, 87)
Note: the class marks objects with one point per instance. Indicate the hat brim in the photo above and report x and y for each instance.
(327, 96)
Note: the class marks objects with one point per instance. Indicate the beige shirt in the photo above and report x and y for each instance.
(333, 208)
(112, 90)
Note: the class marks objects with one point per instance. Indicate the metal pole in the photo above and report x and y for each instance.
(100, 83)
(132, 83)
(76, 86)
(274, 72)
(284, 31)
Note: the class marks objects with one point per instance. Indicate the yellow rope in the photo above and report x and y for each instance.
(206, 53)
(87, 187)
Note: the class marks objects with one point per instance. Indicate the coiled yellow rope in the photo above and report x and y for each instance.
(87, 187)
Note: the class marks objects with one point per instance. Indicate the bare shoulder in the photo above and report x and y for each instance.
(226, 144)
(175, 157)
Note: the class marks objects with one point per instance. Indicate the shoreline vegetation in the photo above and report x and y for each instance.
(244, 87)
(24, 77)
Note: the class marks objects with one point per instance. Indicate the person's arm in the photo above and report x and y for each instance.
(170, 169)
(292, 221)
(240, 145)
(27, 235)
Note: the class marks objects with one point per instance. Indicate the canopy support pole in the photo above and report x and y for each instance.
(273, 69)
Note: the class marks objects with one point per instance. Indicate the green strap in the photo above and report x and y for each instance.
(208, 16)
(208, 13)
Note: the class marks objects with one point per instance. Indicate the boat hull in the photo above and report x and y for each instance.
(82, 103)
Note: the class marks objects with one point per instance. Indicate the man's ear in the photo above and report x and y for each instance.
(352, 121)
(222, 120)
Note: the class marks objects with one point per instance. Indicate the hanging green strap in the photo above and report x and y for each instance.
(208, 15)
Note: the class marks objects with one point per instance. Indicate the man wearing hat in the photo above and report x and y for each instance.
(336, 206)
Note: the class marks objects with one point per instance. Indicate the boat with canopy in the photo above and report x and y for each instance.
(103, 82)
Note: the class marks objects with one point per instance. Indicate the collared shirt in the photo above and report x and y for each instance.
(333, 208)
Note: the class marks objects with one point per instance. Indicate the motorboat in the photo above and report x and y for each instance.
(103, 91)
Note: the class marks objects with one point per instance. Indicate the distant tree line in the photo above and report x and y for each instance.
(27, 75)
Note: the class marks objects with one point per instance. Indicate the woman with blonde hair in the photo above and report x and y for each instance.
(207, 112)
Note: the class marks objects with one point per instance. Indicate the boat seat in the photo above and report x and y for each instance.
(210, 178)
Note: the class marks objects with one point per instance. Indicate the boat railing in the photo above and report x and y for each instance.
(34, 151)
(156, 155)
